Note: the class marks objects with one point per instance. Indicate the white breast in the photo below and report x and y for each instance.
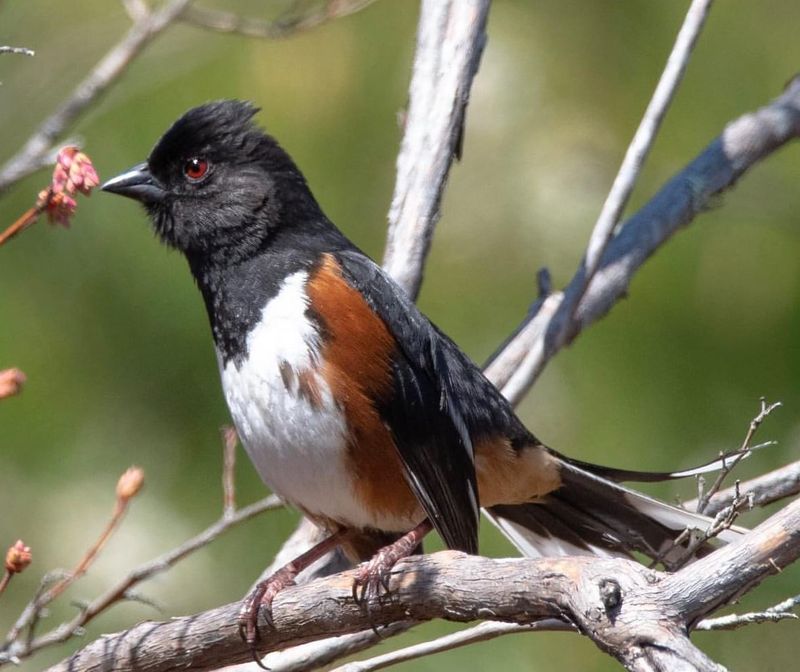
(296, 443)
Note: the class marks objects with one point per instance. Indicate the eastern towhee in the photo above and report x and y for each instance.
(351, 404)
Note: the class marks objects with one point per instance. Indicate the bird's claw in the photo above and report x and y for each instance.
(259, 599)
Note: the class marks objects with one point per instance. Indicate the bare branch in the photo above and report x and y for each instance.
(104, 74)
(743, 143)
(450, 41)
(629, 171)
(636, 614)
(230, 22)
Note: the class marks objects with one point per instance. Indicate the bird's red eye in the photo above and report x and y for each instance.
(195, 168)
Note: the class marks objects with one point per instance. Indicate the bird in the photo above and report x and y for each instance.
(351, 404)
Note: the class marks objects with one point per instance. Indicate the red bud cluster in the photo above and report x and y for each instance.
(73, 173)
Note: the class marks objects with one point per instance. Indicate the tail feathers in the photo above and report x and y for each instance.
(614, 474)
(592, 515)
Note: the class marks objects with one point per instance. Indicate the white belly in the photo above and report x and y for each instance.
(297, 444)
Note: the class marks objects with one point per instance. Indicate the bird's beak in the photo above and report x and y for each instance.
(137, 183)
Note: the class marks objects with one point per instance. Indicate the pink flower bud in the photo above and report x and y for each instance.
(66, 156)
(130, 483)
(60, 209)
(18, 557)
(11, 381)
(60, 179)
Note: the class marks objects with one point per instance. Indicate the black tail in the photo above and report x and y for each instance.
(592, 514)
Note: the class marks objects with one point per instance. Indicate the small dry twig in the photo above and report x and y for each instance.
(128, 486)
(695, 540)
(778, 612)
(766, 489)
(744, 450)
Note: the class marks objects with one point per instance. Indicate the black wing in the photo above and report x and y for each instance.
(424, 414)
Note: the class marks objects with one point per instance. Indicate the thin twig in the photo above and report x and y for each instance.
(14, 649)
(120, 508)
(23, 51)
(5, 580)
(284, 26)
(478, 633)
(25, 220)
(104, 74)
(723, 520)
(755, 423)
(778, 612)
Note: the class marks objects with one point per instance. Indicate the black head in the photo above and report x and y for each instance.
(216, 186)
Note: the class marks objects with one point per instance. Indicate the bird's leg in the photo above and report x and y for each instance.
(265, 591)
(374, 575)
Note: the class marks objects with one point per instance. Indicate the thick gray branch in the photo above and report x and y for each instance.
(638, 615)
(450, 40)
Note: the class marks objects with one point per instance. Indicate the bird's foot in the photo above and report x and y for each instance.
(372, 580)
(260, 598)
(264, 593)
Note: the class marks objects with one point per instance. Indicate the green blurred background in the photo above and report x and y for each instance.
(113, 336)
